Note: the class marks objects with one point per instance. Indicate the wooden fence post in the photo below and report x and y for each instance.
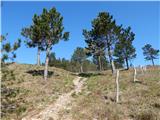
(135, 73)
(117, 87)
(142, 69)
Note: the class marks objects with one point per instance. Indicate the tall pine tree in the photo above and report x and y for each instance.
(52, 32)
(34, 35)
(105, 30)
(95, 48)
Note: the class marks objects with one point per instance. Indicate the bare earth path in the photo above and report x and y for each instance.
(52, 111)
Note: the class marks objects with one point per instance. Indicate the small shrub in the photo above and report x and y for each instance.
(157, 105)
(74, 95)
(20, 110)
(146, 115)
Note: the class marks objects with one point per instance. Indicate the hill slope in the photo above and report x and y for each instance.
(92, 99)
(138, 101)
(24, 90)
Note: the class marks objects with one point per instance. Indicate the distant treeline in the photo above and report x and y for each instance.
(73, 65)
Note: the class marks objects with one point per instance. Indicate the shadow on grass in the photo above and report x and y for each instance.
(89, 74)
(138, 81)
(39, 73)
(124, 69)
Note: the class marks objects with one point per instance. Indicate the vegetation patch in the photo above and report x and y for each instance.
(23, 93)
(137, 101)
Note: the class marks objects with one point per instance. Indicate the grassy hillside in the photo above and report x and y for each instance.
(138, 101)
(24, 90)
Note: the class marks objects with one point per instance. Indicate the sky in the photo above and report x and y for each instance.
(142, 17)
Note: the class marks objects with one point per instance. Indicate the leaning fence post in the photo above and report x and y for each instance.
(117, 87)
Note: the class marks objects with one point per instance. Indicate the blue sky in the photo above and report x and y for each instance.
(143, 17)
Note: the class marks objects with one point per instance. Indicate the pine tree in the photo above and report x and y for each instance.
(95, 47)
(79, 56)
(124, 49)
(8, 50)
(105, 30)
(34, 35)
(52, 32)
(119, 62)
(150, 53)
(52, 59)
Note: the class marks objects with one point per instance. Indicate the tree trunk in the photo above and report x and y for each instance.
(81, 68)
(113, 67)
(111, 61)
(46, 64)
(38, 56)
(99, 61)
(152, 62)
(127, 63)
(117, 87)
(102, 66)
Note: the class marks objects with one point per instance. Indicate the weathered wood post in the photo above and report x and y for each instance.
(135, 73)
(142, 70)
(117, 87)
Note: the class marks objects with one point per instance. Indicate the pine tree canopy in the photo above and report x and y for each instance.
(149, 52)
(79, 55)
(124, 46)
(8, 50)
(52, 27)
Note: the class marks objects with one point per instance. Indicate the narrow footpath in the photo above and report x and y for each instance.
(52, 111)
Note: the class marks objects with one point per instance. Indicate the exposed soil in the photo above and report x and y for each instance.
(52, 111)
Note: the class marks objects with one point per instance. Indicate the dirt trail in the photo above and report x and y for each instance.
(52, 112)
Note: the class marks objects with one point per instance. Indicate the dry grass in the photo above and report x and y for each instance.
(138, 101)
(35, 93)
